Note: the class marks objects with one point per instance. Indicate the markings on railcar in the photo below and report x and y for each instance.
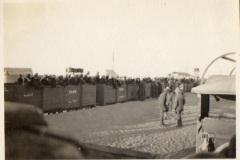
(73, 101)
(29, 94)
(72, 91)
(121, 89)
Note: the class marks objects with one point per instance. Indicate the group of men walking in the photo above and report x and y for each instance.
(169, 102)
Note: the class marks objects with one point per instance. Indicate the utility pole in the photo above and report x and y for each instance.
(113, 62)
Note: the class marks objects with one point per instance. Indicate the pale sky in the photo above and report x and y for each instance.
(148, 37)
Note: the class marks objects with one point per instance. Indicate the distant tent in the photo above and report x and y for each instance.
(12, 74)
(181, 75)
(111, 73)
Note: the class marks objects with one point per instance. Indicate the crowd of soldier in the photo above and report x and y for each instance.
(157, 84)
(54, 81)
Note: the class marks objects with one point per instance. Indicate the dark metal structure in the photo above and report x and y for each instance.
(217, 109)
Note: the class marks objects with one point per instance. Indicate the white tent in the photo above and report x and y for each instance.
(111, 73)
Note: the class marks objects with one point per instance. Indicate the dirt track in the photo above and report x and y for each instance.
(133, 125)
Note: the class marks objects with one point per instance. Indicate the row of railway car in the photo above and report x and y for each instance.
(75, 96)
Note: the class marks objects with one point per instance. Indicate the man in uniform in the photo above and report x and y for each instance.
(141, 91)
(28, 80)
(97, 78)
(179, 106)
(170, 99)
(20, 80)
(163, 104)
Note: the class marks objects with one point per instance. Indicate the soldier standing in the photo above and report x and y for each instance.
(97, 78)
(169, 103)
(141, 91)
(179, 106)
(163, 104)
(20, 80)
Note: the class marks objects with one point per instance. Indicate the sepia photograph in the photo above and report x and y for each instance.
(120, 79)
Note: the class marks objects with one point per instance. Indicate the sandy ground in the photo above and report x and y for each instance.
(133, 125)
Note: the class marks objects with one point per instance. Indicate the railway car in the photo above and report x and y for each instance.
(106, 94)
(88, 95)
(122, 93)
(71, 97)
(132, 92)
(52, 99)
(47, 98)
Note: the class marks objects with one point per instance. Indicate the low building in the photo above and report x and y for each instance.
(180, 75)
(11, 75)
